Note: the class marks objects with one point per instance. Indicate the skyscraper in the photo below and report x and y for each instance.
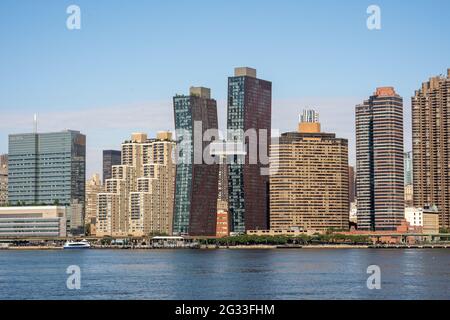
(49, 168)
(309, 186)
(3, 180)
(431, 157)
(351, 184)
(249, 118)
(409, 190)
(223, 217)
(379, 161)
(110, 158)
(408, 164)
(151, 205)
(223, 181)
(138, 199)
(93, 188)
(196, 180)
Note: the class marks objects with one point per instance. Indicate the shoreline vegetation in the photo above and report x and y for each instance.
(317, 241)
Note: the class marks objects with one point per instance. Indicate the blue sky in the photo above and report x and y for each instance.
(118, 73)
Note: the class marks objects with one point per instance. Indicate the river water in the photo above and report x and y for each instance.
(226, 274)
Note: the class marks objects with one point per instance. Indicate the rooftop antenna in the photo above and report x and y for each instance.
(35, 123)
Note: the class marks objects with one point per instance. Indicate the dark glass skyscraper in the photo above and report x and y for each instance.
(110, 158)
(195, 207)
(249, 108)
(49, 168)
(379, 161)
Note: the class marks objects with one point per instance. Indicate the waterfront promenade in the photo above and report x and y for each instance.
(316, 241)
(238, 247)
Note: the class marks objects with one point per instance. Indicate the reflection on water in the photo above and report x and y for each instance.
(226, 274)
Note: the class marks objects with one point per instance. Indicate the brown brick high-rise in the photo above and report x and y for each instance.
(309, 180)
(379, 161)
(431, 146)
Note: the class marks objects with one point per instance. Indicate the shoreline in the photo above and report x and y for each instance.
(244, 247)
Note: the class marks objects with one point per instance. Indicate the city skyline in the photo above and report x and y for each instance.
(128, 90)
(216, 157)
(36, 158)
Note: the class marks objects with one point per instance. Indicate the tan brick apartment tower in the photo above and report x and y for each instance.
(309, 185)
(431, 147)
(138, 199)
(94, 186)
(379, 161)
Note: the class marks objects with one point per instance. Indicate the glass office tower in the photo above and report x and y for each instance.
(195, 207)
(48, 169)
(110, 158)
(249, 108)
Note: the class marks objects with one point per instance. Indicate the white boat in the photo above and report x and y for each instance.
(83, 244)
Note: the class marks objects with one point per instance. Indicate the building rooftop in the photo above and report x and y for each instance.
(138, 137)
(21, 208)
(201, 92)
(44, 133)
(164, 135)
(309, 122)
(245, 71)
(289, 137)
(385, 92)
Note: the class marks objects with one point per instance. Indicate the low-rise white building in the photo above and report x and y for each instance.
(414, 216)
(33, 221)
(425, 218)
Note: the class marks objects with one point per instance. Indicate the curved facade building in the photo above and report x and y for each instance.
(379, 161)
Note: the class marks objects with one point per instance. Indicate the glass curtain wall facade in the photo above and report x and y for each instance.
(196, 186)
(110, 158)
(249, 107)
(408, 168)
(47, 169)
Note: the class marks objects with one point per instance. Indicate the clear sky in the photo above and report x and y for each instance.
(117, 75)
